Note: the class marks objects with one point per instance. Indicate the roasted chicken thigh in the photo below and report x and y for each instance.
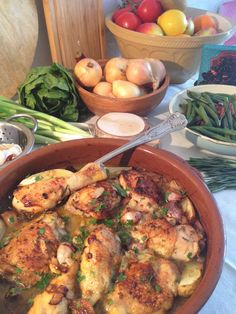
(46, 194)
(29, 252)
(99, 262)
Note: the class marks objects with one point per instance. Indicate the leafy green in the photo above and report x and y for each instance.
(51, 89)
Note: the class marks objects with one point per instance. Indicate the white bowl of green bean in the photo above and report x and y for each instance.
(211, 113)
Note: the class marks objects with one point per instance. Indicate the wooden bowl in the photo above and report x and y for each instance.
(142, 105)
(79, 152)
(180, 55)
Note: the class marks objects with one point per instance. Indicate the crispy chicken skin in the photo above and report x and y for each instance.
(99, 200)
(55, 299)
(143, 190)
(140, 291)
(36, 197)
(99, 261)
(29, 252)
(178, 242)
(46, 194)
(81, 306)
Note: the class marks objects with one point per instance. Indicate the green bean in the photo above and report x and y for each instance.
(212, 114)
(209, 102)
(202, 130)
(234, 105)
(189, 108)
(224, 122)
(193, 95)
(192, 115)
(228, 114)
(224, 131)
(204, 115)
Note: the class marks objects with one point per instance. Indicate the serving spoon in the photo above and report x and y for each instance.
(174, 122)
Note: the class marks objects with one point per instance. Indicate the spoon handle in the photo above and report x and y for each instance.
(174, 122)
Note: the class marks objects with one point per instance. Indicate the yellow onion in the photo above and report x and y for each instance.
(145, 71)
(158, 72)
(125, 89)
(115, 69)
(103, 89)
(88, 72)
(139, 72)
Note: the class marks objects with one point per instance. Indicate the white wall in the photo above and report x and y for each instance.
(42, 55)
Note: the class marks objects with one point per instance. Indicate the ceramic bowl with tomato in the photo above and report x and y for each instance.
(180, 54)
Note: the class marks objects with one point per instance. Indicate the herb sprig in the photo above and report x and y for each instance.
(219, 173)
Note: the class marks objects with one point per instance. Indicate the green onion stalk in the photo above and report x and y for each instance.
(50, 129)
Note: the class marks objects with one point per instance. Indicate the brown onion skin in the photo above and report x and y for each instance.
(88, 72)
(115, 69)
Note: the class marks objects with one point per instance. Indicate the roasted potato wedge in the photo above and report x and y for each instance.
(190, 277)
(188, 209)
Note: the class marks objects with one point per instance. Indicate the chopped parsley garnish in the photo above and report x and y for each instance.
(110, 301)
(78, 241)
(108, 222)
(12, 219)
(41, 231)
(129, 223)
(105, 193)
(80, 277)
(166, 196)
(38, 178)
(30, 301)
(144, 238)
(189, 255)
(121, 277)
(125, 237)
(67, 238)
(66, 219)
(78, 305)
(164, 211)
(120, 190)
(107, 171)
(158, 288)
(135, 250)
(93, 201)
(18, 270)
(44, 281)
(93, 221)
(4, 241)
(154, 215)
(99, 207)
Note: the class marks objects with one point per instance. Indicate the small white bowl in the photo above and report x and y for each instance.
(202, 141)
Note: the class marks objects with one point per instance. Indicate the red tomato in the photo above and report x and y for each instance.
(128, 20)
(118, 12)
(149, 10)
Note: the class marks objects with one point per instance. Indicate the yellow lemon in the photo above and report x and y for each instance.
(173, 22)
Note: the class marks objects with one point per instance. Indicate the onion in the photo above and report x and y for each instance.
(145, 71)
(158, 72)
(139, 72)
(103, 89)
(88, 72)
(115, 69)
(125, 89)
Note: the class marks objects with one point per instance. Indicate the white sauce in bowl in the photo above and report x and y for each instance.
(120, 124)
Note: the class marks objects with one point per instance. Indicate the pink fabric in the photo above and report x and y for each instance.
(228, 9)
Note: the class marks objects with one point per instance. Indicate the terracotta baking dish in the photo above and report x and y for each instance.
(79, 152)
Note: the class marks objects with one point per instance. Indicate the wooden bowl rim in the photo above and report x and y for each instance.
(164, 85)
